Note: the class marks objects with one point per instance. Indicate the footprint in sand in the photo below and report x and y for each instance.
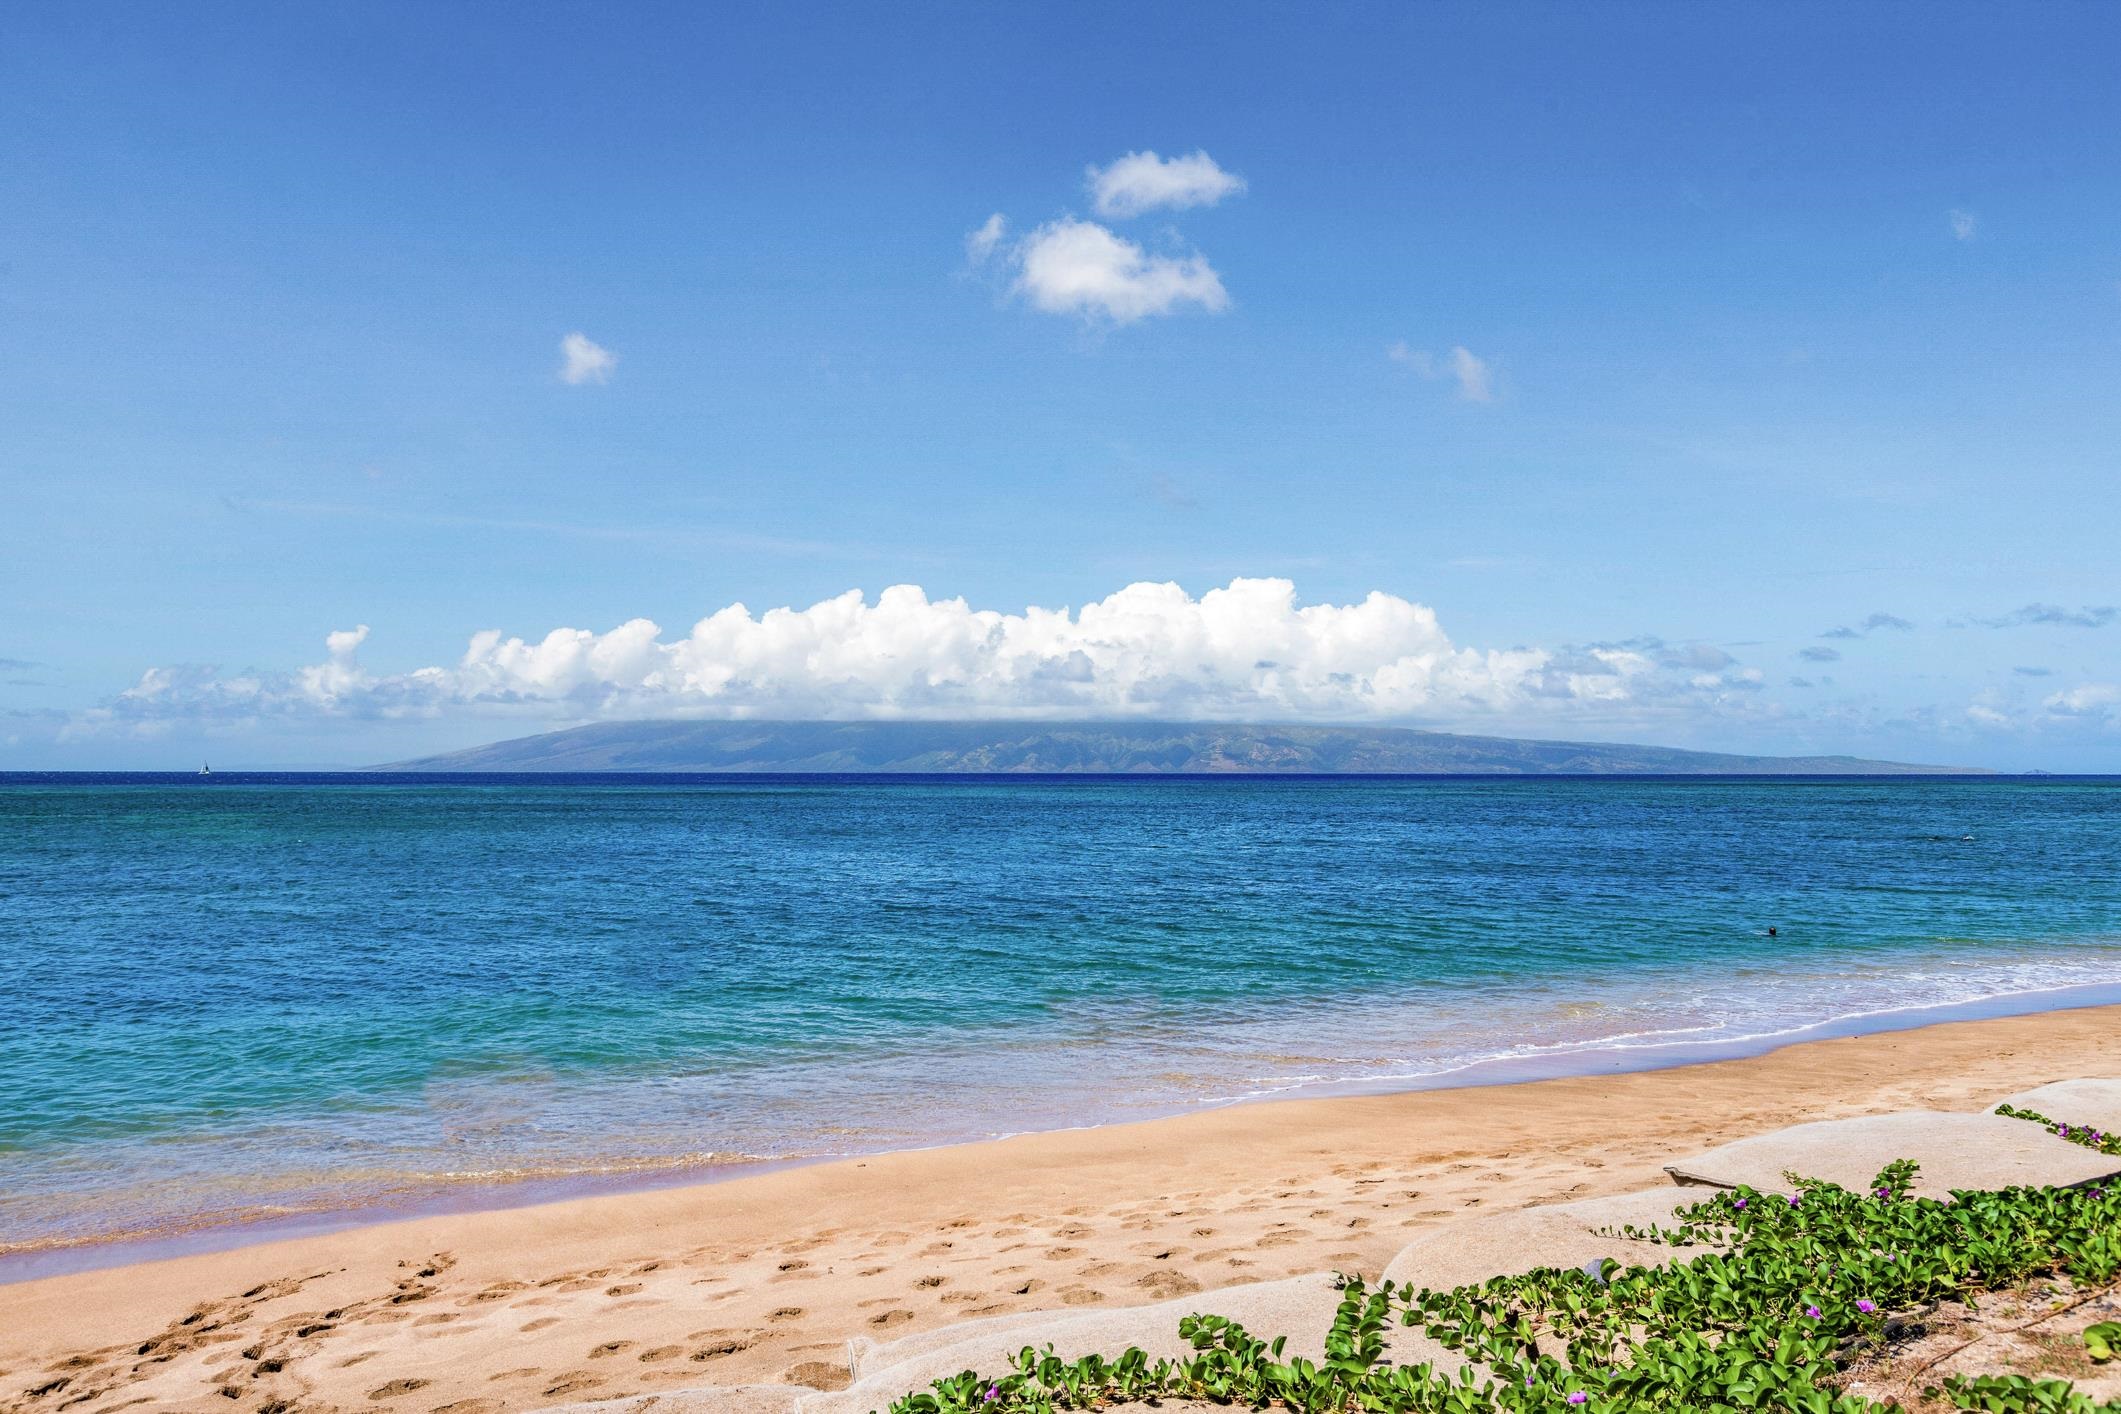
(499, 1291)
(571, 1381)
(927, 1283)
(784, 1313)
(1080, 1297)
(540, 1323)
(897, 1317)
(623, 1289)
(610, 1348)
(818, 1374)
(396, 1388)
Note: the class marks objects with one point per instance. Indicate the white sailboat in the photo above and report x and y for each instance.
(205, 770)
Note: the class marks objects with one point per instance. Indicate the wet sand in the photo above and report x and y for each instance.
(768, 1276)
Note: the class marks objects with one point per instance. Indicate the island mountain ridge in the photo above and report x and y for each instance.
(1129, 748)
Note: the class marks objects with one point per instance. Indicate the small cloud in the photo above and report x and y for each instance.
(980, 244)
(1871, 625)
(2034, 672)
(1169, 493)
(1986, 716)
(1079, 267)
(585, 361)
(1697, 657)
(1820, 655)
(16, 665)
(2090, 699)
(1800, 682)
(2054, 616)
(1473, 374)
(1964, 225)
(1142, 181)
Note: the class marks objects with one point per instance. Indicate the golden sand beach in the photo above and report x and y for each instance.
(767, 1277)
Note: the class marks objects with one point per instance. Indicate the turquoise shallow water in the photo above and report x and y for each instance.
(227, 999)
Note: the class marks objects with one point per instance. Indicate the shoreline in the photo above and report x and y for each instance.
(767, 1276)
(34, 1262)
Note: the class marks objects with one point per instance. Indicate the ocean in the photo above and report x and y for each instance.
(258, 999)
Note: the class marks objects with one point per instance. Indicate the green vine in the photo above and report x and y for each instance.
(2080, 1134)
(1789, 1289)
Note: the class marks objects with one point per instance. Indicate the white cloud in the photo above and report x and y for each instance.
(980, 244)
(1249, 651)
(1964, 225)
(2090, 699)
(585, 361)
(1473, 374)
(1079, 267)
(1142, 181)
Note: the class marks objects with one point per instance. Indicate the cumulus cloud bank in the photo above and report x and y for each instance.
(1247, 651)
(1142, 181)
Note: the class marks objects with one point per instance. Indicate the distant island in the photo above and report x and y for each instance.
(1128, 748)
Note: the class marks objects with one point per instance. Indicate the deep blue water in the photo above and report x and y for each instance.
(252, 995)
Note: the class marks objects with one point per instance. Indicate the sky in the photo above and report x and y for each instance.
(385, 379)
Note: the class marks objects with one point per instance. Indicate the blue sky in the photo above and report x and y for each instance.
(1568, 371)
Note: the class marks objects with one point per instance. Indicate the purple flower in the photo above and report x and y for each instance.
(1739, 1204)
(1811, 1313)
(1885, 1193)
(1579, 1397)
(994, 1392)
(1527, 1381)
(1793, 1200)
(1867, 1307)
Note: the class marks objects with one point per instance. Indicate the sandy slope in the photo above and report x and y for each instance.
(768, 1277)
